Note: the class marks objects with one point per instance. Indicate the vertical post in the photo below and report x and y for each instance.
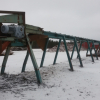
(25, 61)
(39, 80)
(80, 47)
(57, 52)
(70, 63)
(5, 60)
(95, 50)
(73, 51)
(44, 52)
(90, 51)
(81, 65)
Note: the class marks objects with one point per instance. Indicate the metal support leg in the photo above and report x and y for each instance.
(90, 51)
(39, 80)
(80, 48)
(57, 52)
(25, 61)
(73, 51)
(95, 50)
(98, 48)
(81, 65)
(70, 63)
(87, 51)
(44, 52)
(5, 60)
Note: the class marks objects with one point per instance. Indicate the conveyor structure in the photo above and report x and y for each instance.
(23, 35)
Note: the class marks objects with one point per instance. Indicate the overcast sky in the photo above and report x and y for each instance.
(71, 17)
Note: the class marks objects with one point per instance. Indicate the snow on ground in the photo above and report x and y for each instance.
(58, 82)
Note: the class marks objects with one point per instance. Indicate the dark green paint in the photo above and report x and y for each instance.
(5, 60)
(44, 52)
(57, 52)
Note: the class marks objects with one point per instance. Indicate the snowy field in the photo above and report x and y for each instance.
(58, 82)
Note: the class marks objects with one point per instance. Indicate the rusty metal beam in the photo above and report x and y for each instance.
(5, 45)
(40, 40)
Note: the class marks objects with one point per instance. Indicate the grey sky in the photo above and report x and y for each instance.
(71, 17)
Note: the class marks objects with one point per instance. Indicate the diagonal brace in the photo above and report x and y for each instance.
(81, 64)
(80, 47)
(95, 50)
(57, 52)
(5, 59)
(25, 61)
(90, 51)
(44, 52)
(69, 59)
(39, 80)
(73, 51)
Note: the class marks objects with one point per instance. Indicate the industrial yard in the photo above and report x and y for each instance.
(58, 82)
(50, 50)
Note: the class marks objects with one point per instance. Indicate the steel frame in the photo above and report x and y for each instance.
(27, 41)
(75, 39)
(14, 43)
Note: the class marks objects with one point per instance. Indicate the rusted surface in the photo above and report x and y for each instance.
(41, 43)
(37, 37)
(40, 40)
(5, 44)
